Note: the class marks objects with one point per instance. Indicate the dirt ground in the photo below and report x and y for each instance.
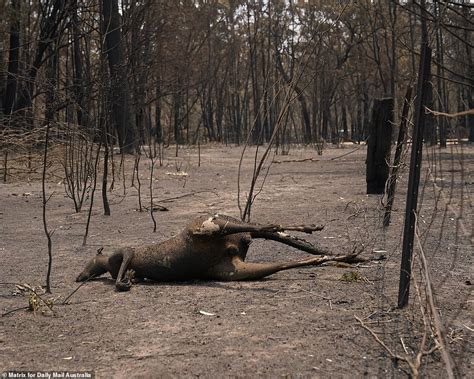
(298, 323)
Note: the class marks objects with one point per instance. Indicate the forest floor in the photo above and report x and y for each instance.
(297, 323)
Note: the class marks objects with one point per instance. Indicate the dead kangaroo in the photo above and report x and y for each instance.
(209, 248)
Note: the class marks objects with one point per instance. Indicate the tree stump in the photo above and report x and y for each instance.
(378, 145)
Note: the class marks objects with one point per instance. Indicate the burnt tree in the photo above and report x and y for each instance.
(402, 131)
(378, 145)
(52, 24)
(13, 57)
(120, 91)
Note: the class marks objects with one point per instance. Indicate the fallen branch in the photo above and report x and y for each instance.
(450, 115)
(169, 199)
(156, 207)
(318, 160)
(15, 310)
(413, 364)
(381, 343)
(349, 152)
(297, 160)
(437, 323)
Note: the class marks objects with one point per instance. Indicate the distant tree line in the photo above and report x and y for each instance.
(182, 71)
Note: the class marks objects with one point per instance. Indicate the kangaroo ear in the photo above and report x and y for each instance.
(99, 250)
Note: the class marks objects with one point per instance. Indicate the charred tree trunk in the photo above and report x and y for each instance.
(120, 92)
(469, 92)
(301, 98)
(345, 129)
(14, 50)
(424, 75)
(49, 30)
(158, 127)
(177, 120)
(378, 146)
(398, 156)
(325, 112)
(429, 128)
(443, 102)
(257, 131)
(470, 118)
(253, 62)
(78, 85)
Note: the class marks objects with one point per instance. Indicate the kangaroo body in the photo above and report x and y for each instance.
(210, 248)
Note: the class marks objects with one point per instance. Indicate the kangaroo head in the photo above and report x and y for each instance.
(96, 267)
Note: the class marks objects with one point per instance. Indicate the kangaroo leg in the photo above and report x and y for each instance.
(122, 282)
(236, 269)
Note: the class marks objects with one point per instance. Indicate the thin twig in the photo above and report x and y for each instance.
(169, 199)
(451, 115)
(437, 323)
(349, 152)
(79, 286)
(14, 310)
(45, 201)
(380, 342)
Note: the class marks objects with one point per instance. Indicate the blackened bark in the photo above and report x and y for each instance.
(78, 85)
(470, 118)
(177, 118)
(469, 92)
(392, 184)
(120, 92)
(307, 135)
(345, 130)
(429, 128)
(253, 62)
(325, 118)
(13, 52)
(49, 30)
(415, 167)
(158, 127)
(443, 102)
(378, 146)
